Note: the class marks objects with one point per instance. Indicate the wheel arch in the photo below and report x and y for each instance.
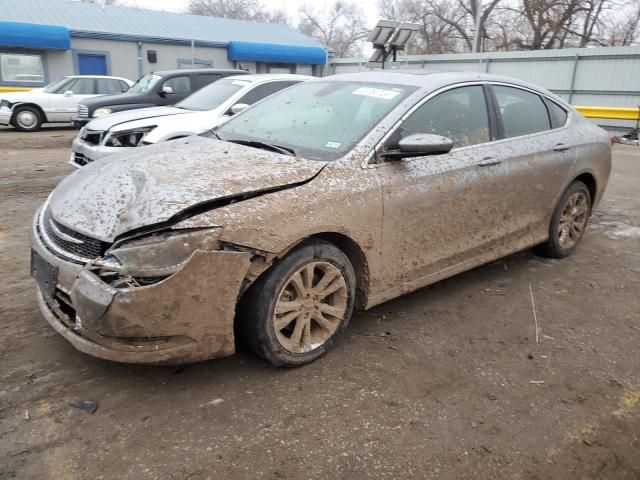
(590, 181)
(347, 245)
(358, 260)
(28, 104)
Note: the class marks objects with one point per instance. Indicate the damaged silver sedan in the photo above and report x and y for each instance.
(333, 195)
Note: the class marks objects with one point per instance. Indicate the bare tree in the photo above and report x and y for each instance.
(623, 31)
(341, 27)
(449, 26)
(237, 9)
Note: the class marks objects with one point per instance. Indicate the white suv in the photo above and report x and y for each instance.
(57, 102)
(203, 110)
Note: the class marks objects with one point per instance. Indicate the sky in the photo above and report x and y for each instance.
(290, 6)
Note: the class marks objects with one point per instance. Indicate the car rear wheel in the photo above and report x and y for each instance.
(27, 119)
(295, 312)
(569, 222)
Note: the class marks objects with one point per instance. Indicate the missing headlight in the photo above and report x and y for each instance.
(131, 138)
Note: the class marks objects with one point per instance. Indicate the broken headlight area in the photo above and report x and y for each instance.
(129, 138)
(5, 104)
(150, 259)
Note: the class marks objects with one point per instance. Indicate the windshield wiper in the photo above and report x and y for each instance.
(264, 145)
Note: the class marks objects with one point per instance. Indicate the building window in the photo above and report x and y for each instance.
(195, 63)
(20, 68)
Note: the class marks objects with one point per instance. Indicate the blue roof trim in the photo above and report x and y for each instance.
(31, 35)
(272, 52)
(145, 39)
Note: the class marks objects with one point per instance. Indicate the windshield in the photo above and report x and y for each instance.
(144, 84)
(211, 96)
(320, 120)
(59, 86)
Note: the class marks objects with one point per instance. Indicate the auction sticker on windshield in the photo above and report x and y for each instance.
(376, 93)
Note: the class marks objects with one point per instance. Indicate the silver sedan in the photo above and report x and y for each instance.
(330, 196)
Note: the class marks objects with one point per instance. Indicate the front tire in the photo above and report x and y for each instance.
(27, 119)
(568, 223)
(295, 312)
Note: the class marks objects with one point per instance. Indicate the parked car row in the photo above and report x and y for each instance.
(203, 110)
(71, 99)
(330, 195)
(57, 102)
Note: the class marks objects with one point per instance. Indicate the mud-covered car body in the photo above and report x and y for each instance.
(143, 258)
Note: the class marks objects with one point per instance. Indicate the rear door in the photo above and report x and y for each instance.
(536, 153)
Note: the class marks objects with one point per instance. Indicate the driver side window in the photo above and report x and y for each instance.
(459, 114)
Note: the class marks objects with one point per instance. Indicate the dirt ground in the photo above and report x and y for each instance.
(447, 382)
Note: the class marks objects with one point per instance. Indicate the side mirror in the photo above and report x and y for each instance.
(238, 107)
(420, 145)
(166, 90)
(68, 93)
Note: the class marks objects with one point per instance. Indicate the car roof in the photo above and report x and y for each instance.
(430, 80)
(199, 70)
(263, 77)
(98, 76)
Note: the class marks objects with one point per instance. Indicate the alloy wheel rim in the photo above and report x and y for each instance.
(26, 119)
(573, 220)
(310, 307)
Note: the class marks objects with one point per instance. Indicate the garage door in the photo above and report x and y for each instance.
(91, 64)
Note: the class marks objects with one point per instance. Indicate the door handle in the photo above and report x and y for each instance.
(488, 161)
(561, 147)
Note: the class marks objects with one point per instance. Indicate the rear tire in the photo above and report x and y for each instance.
(27, 119)
(568, 223)
(295, 312)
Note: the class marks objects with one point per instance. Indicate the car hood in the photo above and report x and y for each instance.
(154, 184)
(118, 99)
(110, 121)
(176, 125)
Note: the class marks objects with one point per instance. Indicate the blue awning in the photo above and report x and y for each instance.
(272, 52)
(32, 35)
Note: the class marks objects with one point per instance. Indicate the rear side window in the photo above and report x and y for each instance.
(107, 85)
(522, 112)
(459, 114)
(263, 91)
(206, 79)
(557, 114)
(179, 84)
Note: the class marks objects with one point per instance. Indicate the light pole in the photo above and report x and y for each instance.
(476, 33)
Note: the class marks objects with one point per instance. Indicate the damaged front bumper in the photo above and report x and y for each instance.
(5, 115)
(186, 317)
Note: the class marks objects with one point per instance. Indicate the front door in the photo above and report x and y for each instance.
(92, 64)
(443, 210)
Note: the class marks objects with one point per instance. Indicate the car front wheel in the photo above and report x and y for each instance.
(295, 312)
(27, 119)
(569, 222)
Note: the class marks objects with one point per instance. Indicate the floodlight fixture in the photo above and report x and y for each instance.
(382, 33)
(404, 31)
(389, 36)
